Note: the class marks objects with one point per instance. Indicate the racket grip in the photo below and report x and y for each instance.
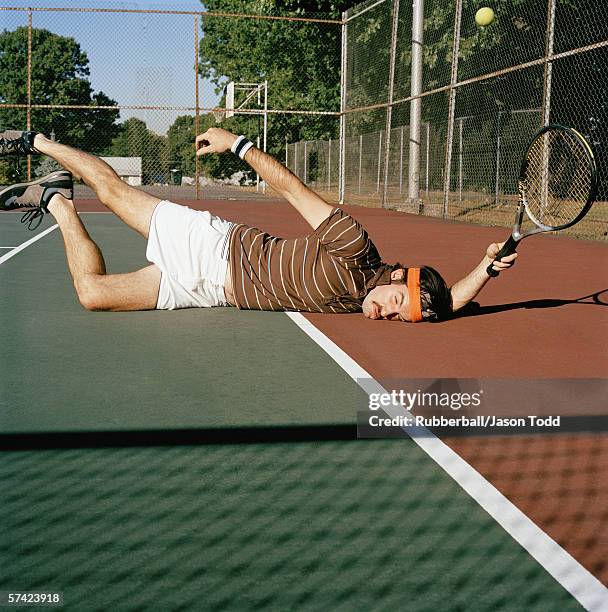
(510, 246)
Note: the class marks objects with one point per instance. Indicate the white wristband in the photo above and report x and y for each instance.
(240, 146)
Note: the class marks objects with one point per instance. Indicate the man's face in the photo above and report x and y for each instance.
(389, 302)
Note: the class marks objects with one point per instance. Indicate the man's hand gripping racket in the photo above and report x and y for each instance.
(557, 185)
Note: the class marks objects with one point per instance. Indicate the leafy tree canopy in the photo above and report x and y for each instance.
(134, 139)
(301, 62)
(180, 142)
(59, 76)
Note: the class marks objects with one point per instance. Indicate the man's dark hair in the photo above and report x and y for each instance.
(435, 295)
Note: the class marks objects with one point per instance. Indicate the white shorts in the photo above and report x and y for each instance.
(191, 249)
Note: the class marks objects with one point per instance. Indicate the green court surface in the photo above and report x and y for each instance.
(281, 525)
(304, 526)
(151, 370)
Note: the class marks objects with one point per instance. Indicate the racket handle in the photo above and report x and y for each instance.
(510, 246)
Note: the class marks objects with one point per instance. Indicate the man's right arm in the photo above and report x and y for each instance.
(468, 287)
(311, 206)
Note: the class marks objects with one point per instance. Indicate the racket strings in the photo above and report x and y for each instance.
(558, 179)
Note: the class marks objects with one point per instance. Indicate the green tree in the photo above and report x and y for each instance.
(180, 143)
(225, 164)
(59, 76)
(181, 151)
(302, 64)
(8, 174)
(134, 139)
(301, 61)
(518, 35)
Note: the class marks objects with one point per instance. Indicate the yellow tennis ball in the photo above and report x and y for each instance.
(484, 16)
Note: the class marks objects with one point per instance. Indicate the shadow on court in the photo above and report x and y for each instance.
(474, 309)
(332, 525)
(298, 515)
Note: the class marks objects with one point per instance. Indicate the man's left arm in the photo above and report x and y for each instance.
(310, 205)
(467, 288)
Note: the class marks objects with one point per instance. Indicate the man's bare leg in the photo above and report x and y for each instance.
(131, 205)
(97, 290)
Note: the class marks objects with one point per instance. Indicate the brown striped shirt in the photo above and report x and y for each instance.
(330, 270)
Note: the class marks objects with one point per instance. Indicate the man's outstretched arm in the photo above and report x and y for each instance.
(467, 288)
(311, 206)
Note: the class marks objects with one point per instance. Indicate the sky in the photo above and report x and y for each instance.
(144, 60)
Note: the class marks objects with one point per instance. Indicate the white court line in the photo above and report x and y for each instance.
(568, 572)
(17, 249)
(577, 580)
(27, 243)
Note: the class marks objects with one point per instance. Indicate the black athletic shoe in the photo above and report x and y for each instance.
(36, 195)
(13, 142)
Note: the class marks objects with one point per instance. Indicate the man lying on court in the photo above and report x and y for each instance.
(200, 260)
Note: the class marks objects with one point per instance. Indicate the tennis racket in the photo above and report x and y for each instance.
(557, 185)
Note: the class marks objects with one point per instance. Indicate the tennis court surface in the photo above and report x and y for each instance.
(207, 459)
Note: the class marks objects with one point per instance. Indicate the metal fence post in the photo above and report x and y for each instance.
(29, 86)
(295, 159)
(265, 115)
(305, 163)
(498, 144)
(401, 163)
(447, 168)
(379, 161)
(547, 95)
(428, 134)
(329, 166)
(548, 63)
(391, 89)
(460, 159)
(342, 155)
(265, 125)
(360, 158)
(416, 103)
(197, 187)
(257, 180)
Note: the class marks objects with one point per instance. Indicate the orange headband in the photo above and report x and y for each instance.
(413, 291)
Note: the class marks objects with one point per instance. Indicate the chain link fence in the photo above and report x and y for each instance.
(158, 93)
(437, 111)
(390, 104)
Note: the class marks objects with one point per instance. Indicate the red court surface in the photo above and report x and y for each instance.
(523, 328)
(528, 325)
